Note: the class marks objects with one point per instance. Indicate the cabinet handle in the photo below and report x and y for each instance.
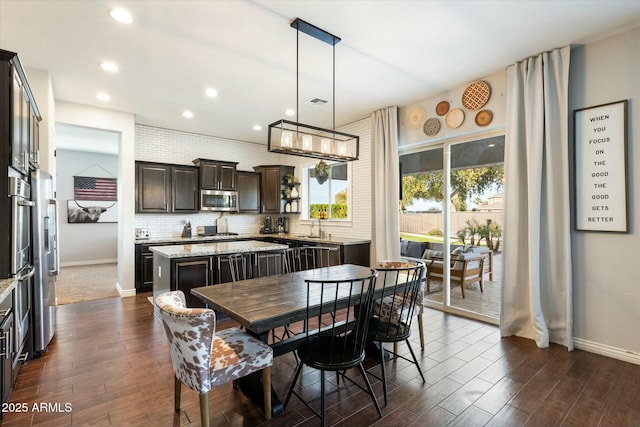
(5, 345)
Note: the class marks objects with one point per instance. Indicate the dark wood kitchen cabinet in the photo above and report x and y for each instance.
(190, 273)
(248, 192)
(271, 181)
(217, 175)
(164, 188)
(184, 187)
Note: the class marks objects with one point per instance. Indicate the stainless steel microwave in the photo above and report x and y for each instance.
(217, 200)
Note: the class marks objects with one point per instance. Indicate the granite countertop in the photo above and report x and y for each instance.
(220, 248)
(335, 240)
(6, 286)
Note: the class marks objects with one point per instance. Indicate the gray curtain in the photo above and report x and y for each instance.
(537, 282)
(385, 235)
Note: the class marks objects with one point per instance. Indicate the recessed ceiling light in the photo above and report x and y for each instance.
(103, 96)
(289, 112)
(491, 145)
(257, 127)
(109, 66)
(121, 15)
(187, 114)
(211, 92)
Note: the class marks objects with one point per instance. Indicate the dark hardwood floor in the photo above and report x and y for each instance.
(109, 365)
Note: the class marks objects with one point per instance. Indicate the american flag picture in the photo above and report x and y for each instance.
(90, 188)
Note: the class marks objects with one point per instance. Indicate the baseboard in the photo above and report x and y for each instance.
(92, 262)
(607, 350)
(125, 292)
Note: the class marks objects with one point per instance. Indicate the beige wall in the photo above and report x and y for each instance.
(606, 270)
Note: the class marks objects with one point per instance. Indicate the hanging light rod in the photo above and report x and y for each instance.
(315, 32)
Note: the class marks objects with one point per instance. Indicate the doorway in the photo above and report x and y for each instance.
(86, 186)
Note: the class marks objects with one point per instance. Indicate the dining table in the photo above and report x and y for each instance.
(266, 303)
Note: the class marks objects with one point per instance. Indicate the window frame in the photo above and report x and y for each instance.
(306, 196)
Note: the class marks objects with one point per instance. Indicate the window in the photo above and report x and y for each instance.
(330, 196)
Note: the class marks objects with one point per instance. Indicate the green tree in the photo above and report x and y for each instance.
(465, 184)
(341, 197)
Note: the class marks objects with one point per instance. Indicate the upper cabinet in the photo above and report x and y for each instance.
(271, 180)
(162, 188)
(248, 192)
(217, 175)
(20, 115)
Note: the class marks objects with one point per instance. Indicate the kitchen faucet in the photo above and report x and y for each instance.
(320, 232)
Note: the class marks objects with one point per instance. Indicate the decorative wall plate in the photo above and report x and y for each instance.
(415, 117)
(442, 108)
(484, 117)
(431, 126)
(455, 118)
(476, 95)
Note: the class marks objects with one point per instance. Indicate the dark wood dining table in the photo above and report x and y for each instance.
(266, 303)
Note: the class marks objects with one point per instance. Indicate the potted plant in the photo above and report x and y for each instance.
(289, 178)
(321, 171)
(287, 192)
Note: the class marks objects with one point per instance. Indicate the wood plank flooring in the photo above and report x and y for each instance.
(109, 364)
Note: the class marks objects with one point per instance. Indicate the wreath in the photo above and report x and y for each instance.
(322, 172)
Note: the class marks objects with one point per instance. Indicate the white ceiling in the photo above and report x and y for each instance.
(392, 53)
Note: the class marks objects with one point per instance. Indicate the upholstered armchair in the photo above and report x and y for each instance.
(203, 359)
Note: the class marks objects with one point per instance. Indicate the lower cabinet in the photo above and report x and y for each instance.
(6, 359)
(144, 268)
(190, 273)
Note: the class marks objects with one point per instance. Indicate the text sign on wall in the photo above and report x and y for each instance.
(601, 167)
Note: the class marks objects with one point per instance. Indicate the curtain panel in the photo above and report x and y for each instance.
(537, 281)
(385, 235)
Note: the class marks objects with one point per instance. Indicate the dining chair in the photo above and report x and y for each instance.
(305, 258)
(299, 259)
(203, 359)
(335, 343)
(392, 314)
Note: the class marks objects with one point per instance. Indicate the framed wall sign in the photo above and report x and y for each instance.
(600, 150)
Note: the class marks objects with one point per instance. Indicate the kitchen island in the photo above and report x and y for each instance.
(194, 265)
(345, 250)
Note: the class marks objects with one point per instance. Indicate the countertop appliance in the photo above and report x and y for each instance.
(267, 227)
(212, 230)
(46, 259)
(142, 233)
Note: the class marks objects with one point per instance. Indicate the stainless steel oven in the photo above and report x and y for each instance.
(21, 268)
(20, 193)
(217, 200)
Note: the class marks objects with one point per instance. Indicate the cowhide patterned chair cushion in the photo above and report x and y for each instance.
(393, 306)
(201, 358)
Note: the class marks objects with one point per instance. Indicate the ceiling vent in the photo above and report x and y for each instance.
(316, 102)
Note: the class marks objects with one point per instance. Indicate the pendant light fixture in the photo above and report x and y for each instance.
(295, 138)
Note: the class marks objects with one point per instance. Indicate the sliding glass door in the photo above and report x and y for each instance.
(468, 222)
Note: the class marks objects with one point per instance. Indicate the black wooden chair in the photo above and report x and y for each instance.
(305, 258)
(391, 316)
(336, 343)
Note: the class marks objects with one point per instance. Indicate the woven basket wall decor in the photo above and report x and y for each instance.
(431, 126)
(476, 95)
(455, 118)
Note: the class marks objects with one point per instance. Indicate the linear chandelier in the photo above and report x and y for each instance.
(298, 139)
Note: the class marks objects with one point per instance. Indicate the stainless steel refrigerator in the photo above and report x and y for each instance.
(45, 259)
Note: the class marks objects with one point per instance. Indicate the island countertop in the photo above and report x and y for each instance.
(220, 248)
(329, 239)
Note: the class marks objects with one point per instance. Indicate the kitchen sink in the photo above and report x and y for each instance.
(309, 237)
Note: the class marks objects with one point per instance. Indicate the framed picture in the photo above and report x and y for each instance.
(91, 211)
(600, 150)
